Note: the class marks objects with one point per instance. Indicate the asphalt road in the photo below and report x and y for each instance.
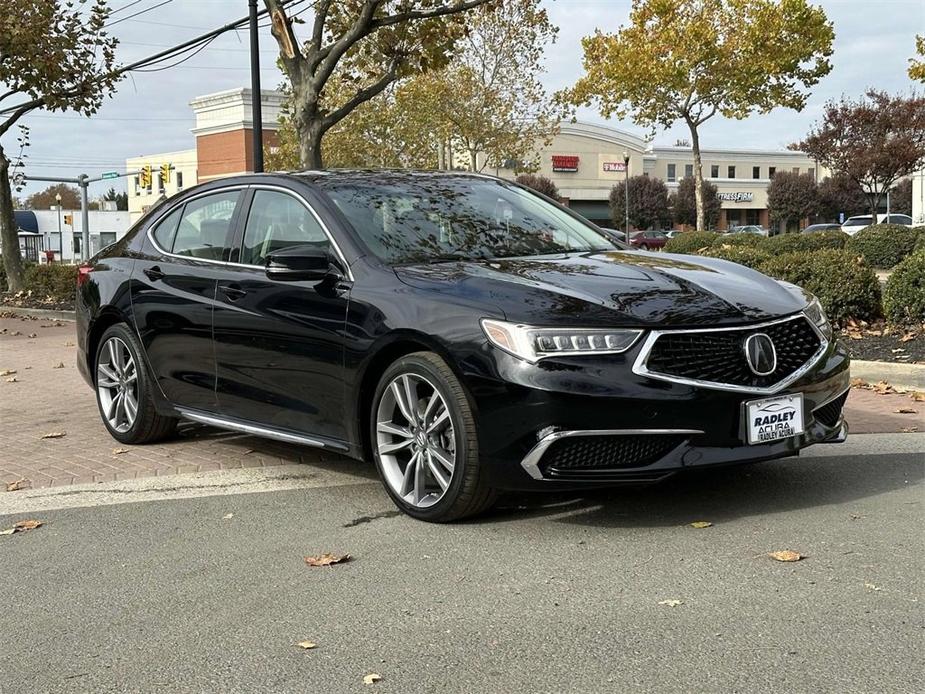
(555, 594)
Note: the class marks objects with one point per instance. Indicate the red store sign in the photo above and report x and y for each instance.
(565, 162)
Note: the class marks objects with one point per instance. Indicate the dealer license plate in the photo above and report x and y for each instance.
(773, 419)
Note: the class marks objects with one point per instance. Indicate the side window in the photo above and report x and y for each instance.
(166, 229)
(277, 221)
(204, 226)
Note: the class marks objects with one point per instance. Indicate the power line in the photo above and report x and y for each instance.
(125, 19)
(124, 7)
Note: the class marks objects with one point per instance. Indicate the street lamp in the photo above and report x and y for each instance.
(60, 237)
(626, 191)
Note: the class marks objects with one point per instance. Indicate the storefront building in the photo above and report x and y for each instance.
(585, 161)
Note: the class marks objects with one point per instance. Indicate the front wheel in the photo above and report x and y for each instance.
(644, 247)
(424, 441)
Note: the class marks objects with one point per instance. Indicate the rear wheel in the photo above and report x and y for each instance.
(124, 390)
(424, 441)
(644, 246)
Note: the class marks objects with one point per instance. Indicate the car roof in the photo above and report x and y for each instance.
(378, 175)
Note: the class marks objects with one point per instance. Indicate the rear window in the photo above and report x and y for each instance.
(204, 226)
(857, 221)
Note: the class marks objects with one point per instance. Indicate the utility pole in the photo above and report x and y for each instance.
(256, 105)
(626, 190)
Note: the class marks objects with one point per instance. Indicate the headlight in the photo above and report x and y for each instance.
(816, 314)
(532, 344)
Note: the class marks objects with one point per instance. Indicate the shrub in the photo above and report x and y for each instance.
(743, 255)
(540, 184)
(845, 285)
(793, 243)
(904, 295)
(920, 241)
(54, 280)
(884, 245)
(750, 240)
(691, 241)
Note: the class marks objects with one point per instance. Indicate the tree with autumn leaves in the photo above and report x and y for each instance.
(689, 60)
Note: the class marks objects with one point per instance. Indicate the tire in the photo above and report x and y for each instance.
(147, 426)
(644, 247)
(466, 493)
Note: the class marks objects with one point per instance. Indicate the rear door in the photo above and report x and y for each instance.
(173, 294)
(279, 345)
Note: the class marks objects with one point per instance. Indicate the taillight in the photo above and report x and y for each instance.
(83, 274)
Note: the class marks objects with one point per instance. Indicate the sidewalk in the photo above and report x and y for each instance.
(47, 398)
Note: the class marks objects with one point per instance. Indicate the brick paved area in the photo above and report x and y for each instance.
(46, 399)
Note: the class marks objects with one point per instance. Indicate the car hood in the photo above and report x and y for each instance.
(628, 288)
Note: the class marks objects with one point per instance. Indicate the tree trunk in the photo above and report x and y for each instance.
(473, 160)
(698, 178)
(310, 146)
(874, 199)
(9, 239)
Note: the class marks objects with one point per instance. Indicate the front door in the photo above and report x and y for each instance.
(279, 346)
(173, 293)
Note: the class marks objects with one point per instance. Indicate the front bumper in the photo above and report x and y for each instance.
(523, 410)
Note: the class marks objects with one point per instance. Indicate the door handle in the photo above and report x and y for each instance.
(154, 273)
(232, 291)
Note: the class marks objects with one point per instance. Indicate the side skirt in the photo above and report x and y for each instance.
(262, 431)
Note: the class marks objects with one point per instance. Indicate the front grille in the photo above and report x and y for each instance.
(830, 413)
(587, 453)
(719, 357)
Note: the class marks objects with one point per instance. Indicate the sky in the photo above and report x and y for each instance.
(150, 113)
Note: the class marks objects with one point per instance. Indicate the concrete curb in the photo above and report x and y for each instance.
(39, 312)
(902, 375)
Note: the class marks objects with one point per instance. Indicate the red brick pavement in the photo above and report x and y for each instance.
(45, 399)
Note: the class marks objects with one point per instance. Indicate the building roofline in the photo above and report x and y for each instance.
(605, 133)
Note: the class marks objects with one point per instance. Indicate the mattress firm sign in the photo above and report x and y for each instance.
(735, 197)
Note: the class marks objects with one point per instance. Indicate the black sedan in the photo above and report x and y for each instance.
(465, 333)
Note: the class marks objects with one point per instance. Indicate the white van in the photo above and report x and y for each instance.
(853, 225)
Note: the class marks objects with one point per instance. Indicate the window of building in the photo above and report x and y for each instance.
(160, 183)
(204, 226)
(771, 171)
(179, 180)
(732, 172)
(688, 170)
(756, 172)
(672, 177)
(796, 169)
(714, 171)
(811, 171)
(277, 221)
(137, 186)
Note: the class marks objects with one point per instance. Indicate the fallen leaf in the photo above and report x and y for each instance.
(119, 451)
(7, 372)
(32, 335)
(8, 531)
(917, 396)
(59, 365)
(859, 383)
(307, 645)
(671, 603)
(871, 586)
(12, 379)
(327, 559)
(372, 678)
(15, 333)
(68, 344)
(909, 430)
(701, 524)
(897, 350)
(16, 486)
(27, 525)
(908, 337)
(905, 410)
(54, 435)
(786, 555)
(228, 516)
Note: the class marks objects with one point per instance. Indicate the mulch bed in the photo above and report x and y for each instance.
(27, 300)
(880, 342)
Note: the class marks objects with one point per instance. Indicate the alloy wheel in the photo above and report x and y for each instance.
(416, 440)
(117, 384)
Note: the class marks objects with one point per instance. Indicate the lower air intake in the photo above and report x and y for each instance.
(581, 454)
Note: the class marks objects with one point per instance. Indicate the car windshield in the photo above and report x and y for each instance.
(857, 222)
(409, 219)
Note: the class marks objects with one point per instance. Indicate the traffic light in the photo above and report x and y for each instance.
(69, 219)
(165, 173)
(144, 178)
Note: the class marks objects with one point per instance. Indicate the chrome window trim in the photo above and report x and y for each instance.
(531, 462)
(640, 367)
(244, 187)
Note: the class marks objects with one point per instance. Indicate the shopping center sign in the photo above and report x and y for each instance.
(735, 197)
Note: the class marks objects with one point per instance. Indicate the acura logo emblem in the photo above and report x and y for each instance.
(760, 354)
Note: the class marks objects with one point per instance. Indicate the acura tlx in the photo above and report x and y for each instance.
(465, 333)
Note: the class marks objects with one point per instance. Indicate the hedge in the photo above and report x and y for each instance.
(691, 241)
(904, 294)
(750, 240)
(920, 241)
(793, 243)
(884, 245)
(844, 283)
(754, 258)
(54, 280)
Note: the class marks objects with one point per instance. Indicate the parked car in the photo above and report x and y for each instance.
(812, 228)
(672, 233)
(853, 225)
(748, 229)
(648, 240)
(462, 333)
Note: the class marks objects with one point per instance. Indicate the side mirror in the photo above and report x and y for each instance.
(301, 263)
